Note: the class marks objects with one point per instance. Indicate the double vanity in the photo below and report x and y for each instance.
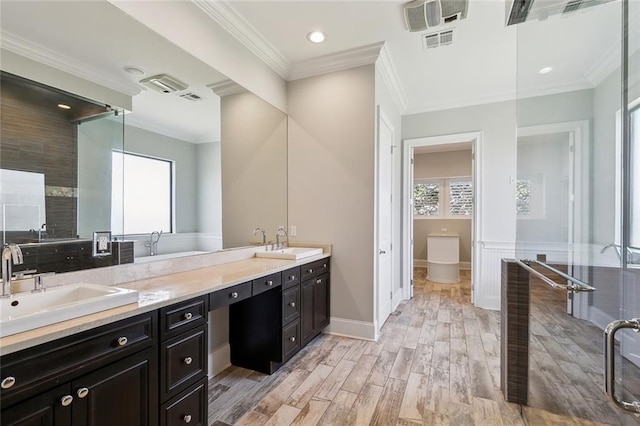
(146, 363)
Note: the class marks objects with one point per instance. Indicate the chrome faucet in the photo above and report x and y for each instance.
(11, 255)
(281, 231)
(264, 235)
(154, 237)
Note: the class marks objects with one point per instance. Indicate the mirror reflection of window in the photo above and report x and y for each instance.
(22, 201)
(147, 196)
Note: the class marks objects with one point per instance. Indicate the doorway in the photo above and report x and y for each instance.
(411, 147)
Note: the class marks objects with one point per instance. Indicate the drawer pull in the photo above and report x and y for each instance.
(324, 265)
(310, 270)
(234, 295)
(7, 382)
(319, 281)
(292, 277)
(269, 283)
(82, 392)
(122, 341)
(292, 338)
(66, 400)
(292, 304)
(188, 316)
(187, 418)
(188, 360)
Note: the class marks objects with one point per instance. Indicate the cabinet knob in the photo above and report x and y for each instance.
(187, 418)
(292, 304)
(188, 360)
(310, 270)
(66, 400)
(7, 382)
(122, 341)
(292, 338)
(82, 392)
(324, 265)
(292, 277)
(318, 281)
(234, 295)
(188, 316)
(269, 283)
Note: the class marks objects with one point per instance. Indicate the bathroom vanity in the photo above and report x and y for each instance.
(146, 363)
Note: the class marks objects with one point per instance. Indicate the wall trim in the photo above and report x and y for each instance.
(391, 79)
(339, 61)
(62, 62)
(422, 263)
(363, 330)
(235, 24)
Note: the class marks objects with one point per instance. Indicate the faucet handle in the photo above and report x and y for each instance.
(27, 273)
(38, 282)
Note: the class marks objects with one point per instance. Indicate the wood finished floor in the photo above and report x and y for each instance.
(437, 362)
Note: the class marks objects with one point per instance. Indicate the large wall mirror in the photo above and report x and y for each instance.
(190, 171)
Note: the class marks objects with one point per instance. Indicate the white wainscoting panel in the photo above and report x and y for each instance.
(487, 289)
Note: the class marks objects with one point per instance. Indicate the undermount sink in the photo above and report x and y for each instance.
(26, 311)
(290, 253)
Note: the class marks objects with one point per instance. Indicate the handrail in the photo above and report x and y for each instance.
(575, 286)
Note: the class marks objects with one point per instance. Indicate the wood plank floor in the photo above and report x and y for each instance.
(437, 362)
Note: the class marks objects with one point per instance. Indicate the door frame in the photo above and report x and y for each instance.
(408, 146)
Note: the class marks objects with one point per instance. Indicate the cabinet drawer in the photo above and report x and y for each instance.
(314, 269)
(67, 358)
(229, 295)
(290, 340)
(183, 360)
(267, 283)
(290, 277)
(290, 304)
(180, 317)
(190, 407)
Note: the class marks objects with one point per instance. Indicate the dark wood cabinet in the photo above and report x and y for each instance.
(111, 366)
(315, 306)
(187, 408)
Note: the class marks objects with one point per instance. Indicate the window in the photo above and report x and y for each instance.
(443, 198)
(142, 189)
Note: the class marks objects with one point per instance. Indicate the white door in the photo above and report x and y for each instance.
(385, 218)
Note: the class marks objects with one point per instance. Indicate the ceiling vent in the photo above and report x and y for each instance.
(433, 40)
(190, 96)
(163, 83)
(519, 11)
(421, 15)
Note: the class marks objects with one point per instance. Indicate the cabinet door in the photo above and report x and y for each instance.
(45, 409)
(306, 314)
(321, 303)
(124, 393)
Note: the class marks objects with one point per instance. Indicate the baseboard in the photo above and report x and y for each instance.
(219, 359)
(421, 263)
(351, 328)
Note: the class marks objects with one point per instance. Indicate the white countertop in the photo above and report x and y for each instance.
(156, 293)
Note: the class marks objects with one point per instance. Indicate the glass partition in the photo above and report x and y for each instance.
(575, 203)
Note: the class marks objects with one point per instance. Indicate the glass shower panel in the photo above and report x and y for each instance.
(571, 202)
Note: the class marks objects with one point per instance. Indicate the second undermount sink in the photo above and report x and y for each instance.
(290, 253)
(26, 311)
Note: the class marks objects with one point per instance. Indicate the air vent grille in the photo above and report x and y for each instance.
(190, 96)
(572, 6)
(433, 40)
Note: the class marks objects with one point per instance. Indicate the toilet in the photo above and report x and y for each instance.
(443, 257)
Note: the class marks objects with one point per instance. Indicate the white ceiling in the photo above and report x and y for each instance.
(487, 62)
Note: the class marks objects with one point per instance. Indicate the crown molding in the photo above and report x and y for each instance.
(62, 62)
(226, 87)
(232, 21)
(390, 78)
(339, 61)
(509, 95)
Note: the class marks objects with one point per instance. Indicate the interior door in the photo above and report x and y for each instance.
(385, 217)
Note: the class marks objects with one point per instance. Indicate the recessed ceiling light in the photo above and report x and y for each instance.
(316, 36)
(133, 70)
(64, 106)
(545, 70)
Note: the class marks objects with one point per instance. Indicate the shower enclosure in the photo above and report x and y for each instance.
(578, 204)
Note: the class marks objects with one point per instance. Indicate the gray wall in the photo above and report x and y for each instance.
(331, 179)
(254, 171)
(442, 165)
(209, 194)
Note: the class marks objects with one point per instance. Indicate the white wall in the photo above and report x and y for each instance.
(209, 188)
(331, 181)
